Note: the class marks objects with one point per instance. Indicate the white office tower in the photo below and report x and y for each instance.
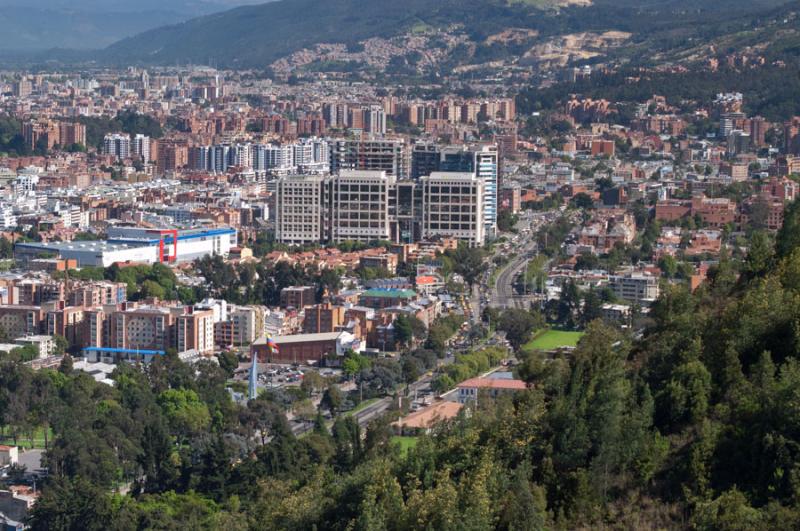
(303, 154)
(274, 158)
(259, 157)
(360, 202)
(322, 154)
(242, 155)
(301, 209)
(118, 145)
(375, 120)
(452, 207)
(219, 158)
(486, 168)
(141, 147)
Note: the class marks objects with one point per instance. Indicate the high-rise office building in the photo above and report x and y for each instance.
(302, 209)
(199, 157)
(452, 206)
(241, 155)
(425, 159)
(389, 155)
(486, 169)
(483, 161)
(219, 158)
(369, 205)
(360, 201)
(276, 158)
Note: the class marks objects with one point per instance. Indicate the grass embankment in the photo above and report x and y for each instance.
(361, 406)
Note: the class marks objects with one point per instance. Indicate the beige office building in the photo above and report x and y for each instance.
(452, 206)
(301, 209)
(360, 202)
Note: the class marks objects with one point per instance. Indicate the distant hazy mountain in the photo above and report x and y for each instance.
(91, 24)
(255, 36)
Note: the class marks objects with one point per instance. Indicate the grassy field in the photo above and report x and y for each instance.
(406, 443)
(553, 339)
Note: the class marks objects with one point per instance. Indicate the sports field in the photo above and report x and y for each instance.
(553, 339)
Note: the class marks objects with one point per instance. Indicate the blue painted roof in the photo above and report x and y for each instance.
(168, 237)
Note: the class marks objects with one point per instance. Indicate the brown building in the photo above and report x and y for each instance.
(72, 133)
(45, 134)
(146, 328)
(298, 296)
(758, 131)
(67, 321)
(511, 199)
(300, 348)
(603, 148)
(672, 210)
(385, 261)
(172, 156)
(195, 331)
(18, 321)
(715, 212)
(323, 318)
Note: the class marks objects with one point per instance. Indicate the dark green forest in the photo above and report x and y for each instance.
(129, 122)
(771, 90)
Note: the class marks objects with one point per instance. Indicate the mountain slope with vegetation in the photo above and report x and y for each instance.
(254, 36)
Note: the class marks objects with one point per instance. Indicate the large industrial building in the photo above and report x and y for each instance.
(136, 244)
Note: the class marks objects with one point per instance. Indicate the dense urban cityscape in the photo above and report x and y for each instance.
(444, 277)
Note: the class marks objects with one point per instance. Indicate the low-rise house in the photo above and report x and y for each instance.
(468, 390)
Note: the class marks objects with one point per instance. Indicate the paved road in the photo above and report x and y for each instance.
(503, 294)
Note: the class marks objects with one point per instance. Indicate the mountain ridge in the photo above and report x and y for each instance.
(256, 36)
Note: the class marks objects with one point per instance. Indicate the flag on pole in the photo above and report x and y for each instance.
(273, 347)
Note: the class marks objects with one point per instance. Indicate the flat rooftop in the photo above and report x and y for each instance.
(88, 246)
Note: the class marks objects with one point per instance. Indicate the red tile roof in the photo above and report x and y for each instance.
(493, 383)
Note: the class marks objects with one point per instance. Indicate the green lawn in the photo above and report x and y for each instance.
(406, 443)
(553, 339)
(24, 441)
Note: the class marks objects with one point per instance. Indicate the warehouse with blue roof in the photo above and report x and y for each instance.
(136, 245)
